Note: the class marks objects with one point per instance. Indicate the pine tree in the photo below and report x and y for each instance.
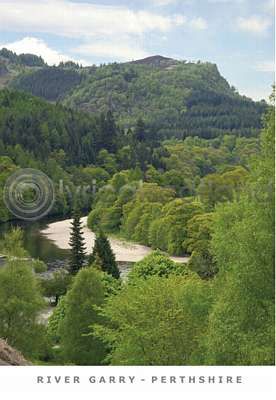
(103, 256)
(108, 132)
(77, 245)
(140, 131)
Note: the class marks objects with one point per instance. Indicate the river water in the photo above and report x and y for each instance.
(48, 240)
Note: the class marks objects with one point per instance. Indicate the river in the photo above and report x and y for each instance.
(48, 240)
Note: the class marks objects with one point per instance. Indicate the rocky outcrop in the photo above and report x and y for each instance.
(10, 356)
(156, 61)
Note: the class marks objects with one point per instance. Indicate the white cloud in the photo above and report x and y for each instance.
(198, 23)
(266, 66)
(226, 1)
(108, 31)
(78, 20)
(119, 50)
(254, 24)
(36, 46)
(163, 2)
(179, 20)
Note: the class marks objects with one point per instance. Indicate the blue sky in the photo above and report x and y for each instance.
(237, 35)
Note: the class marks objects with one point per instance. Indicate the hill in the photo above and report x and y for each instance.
(58, 141)
(42, 129)
(174, 98)
(29, 73)
(13, 65)
(50, 83)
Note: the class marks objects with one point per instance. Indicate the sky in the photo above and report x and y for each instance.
(237, 35)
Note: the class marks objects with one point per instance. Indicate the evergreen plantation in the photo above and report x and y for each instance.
(181, 163)
(174, 98)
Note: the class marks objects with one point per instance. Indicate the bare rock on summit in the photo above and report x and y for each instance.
(156, 61)
(10, 356)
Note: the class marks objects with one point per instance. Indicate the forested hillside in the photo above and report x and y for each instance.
(28, 122)
(13, 65)
(50, 83)
(27, 60)
(60, 142)
(174, 98)
(179, 100)
(162, 153)
(80, 148)
(216, 310)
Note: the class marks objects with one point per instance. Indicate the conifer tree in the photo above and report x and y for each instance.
(108, 132)
(103, 256)
(76, 243)
(140, 131)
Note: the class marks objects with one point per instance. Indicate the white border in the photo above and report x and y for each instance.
(22, 383)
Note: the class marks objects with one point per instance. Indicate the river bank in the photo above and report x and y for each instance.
(59, 233)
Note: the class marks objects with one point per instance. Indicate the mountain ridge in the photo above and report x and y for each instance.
(175, 98)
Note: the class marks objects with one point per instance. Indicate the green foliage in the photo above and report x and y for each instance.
(53, 125)
(28, 60)
(241, 326)
(170, 231)
(57, 285)
(108, 207)
(81, 302)
(12, 244)
(97, 175)
(157, 321)
(111, 285)
(107, 160)
(199, 230)
(38, 266)
(70, 140)
(137, 210)
(177, 100)
(216, 188)
(80, 149)
(151, 191)
(20, 304)
(50, 83)
(7, 167)
(156, 264)
(107, 139)
(55, 320)
(145, 207)
(77, 245)
(103, 256)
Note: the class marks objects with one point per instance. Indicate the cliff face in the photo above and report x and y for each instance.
(10, 356)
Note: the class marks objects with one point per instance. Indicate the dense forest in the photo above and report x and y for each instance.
(50, 83)
(80, 148)
(217, 310)
(183, 99)
(60, 142)
(174, 98)
(169, 156)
